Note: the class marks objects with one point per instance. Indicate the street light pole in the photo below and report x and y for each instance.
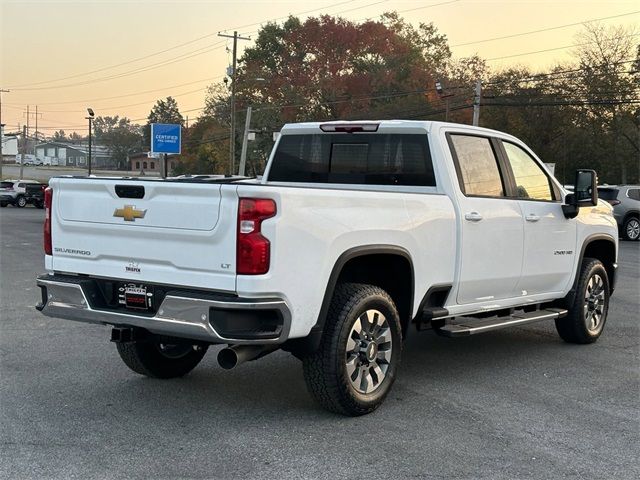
(1, 130)
(90, 118)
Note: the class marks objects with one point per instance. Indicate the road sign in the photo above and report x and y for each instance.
(166, 138)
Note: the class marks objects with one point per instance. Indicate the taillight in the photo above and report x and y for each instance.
(253, 250)
(48, 200)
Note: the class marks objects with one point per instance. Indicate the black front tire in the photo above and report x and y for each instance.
(158, 360)
(589, 306)
(21, 202)
(631, 229)
(326, 370)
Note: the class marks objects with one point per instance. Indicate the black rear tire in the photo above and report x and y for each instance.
(347, 374)
(3, 205)
(157, 360)
(631, 229)
(589, 306)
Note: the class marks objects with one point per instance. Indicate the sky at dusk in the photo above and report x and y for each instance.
(119, 57)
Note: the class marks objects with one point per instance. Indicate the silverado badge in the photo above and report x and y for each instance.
(129, 213)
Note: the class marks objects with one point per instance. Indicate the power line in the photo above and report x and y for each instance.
(128, 62)
(551, 49)
(239, 27)
(428, 6)
(337, 13)
(163, 63)
(544, 29)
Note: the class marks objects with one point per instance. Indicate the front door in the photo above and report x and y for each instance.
(549, 237)
(491, 224)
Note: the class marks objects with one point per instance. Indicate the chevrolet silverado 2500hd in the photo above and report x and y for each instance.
(356, 231)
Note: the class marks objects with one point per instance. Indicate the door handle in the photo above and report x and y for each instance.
(532, 217)
(473, 217)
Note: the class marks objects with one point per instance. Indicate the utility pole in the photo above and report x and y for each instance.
(476, 103)
(25, 138)
(245, 139)
(232, 142)
(1, 130)
(24, 149)
(29, 115)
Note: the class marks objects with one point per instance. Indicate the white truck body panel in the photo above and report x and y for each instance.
(188, 234)
(328, 223)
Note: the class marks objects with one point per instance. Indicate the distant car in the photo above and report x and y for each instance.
(34, 194)
(625, 200)
(12, 192)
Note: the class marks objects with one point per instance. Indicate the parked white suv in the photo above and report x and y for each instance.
(12, 192)
(356, 231)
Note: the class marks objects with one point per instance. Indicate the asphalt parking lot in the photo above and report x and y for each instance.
(511, 404)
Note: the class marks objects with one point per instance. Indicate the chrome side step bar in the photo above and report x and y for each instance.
(465, 326)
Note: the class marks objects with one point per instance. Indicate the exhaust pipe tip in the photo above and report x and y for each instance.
(233, 356)
(227, 358)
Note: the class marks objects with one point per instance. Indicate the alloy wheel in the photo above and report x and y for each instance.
(594, 303)
(368, 352)
(633, 229)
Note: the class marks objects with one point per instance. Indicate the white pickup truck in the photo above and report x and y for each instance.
(356, 231)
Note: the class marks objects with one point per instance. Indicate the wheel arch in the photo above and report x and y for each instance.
(364, 264)
(602, 247)
(629, 214)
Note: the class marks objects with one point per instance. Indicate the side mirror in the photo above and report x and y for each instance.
(585, 190)
(585, 193)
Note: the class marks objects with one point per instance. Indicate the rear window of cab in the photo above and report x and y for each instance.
(354, 158)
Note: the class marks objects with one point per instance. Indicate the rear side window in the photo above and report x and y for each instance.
(477, 166)
(359, 158)
(634, 193)
(608, 193)
(6, 185)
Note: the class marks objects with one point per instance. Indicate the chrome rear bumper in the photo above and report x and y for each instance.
(180, 314)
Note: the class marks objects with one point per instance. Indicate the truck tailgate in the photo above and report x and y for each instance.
(166, 232)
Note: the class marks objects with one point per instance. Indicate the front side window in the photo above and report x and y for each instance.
(478, 166)
(531, 181)
(358, 158)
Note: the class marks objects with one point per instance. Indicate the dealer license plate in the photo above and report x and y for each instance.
(135, 296)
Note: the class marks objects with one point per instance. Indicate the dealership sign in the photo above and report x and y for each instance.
(166, 138)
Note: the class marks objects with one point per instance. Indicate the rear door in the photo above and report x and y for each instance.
(174, 233)
(491, 224)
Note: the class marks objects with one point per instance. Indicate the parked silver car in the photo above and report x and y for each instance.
(625, 200)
